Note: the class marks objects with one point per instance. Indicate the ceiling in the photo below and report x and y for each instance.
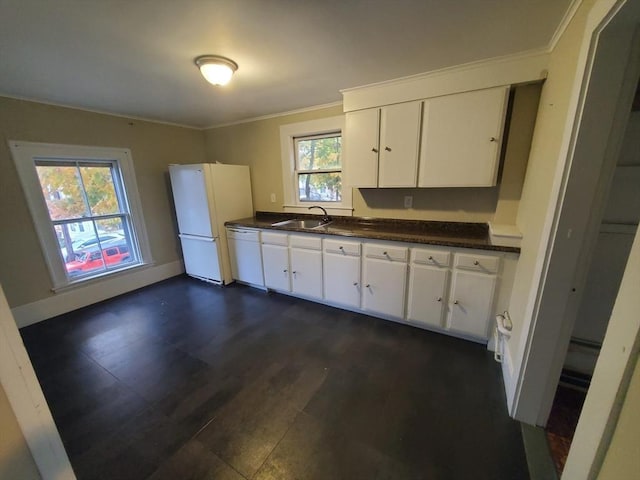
(136, 57)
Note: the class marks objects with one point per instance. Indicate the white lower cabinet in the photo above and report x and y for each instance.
(449, 289)
(472, 293)
(384, 277)
(464, 307)
(342, 273)
(471, 303)
(305, 260)
(428, 287)
(275, 261)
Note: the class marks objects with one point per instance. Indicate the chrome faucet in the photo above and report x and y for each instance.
(326, 218)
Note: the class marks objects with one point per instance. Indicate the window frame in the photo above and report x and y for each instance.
(298, 171)
(309, 129)
(25, 155)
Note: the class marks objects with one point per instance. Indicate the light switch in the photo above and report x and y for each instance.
(273, 198)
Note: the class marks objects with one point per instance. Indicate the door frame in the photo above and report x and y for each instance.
(28, 403)
(604, 88)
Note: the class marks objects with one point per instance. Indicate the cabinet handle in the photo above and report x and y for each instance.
(385, 254)
(387, 149)
(476, 262)
(368, 285)
(439, 299)
(355, 284)
(455, 302)
(374, 150)
(341, 248)
(430, 257)
(285, 270)
(493, 139)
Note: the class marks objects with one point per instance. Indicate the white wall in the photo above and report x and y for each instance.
(16, 460)
(600, 421)
(541, 182)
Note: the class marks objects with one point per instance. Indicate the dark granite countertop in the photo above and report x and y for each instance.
(448, 234)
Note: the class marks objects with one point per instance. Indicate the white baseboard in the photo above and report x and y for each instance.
(69, 300)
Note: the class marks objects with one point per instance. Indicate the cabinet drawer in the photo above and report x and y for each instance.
(345, 248)
(304, 241)
(437, 258)
(479, 263)
(386, 252)
(274, 238)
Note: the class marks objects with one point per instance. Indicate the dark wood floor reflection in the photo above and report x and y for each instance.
(562, 423)
(184, 380)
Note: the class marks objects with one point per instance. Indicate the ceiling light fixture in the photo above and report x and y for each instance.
(215, 69)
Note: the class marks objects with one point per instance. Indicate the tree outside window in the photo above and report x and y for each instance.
(88, 210)
(318, 165)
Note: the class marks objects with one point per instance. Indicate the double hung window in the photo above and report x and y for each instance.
(319, 167)
(81, 203)
(313, 166)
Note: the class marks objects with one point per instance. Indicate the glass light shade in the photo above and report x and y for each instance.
(216, 70)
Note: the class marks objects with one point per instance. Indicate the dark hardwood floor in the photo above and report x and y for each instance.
(184, 380)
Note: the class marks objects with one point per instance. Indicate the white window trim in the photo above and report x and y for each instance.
(287, 151)
(23, 154)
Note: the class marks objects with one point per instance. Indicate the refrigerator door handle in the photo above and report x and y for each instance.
(197, 237)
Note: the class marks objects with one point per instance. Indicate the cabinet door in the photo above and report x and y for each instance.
(384, 287)
(399, 143)
(306, 272)
(461, 138)
(342, 279)
(275, 262)
(471, 303)
(361, 148)
(427, 295)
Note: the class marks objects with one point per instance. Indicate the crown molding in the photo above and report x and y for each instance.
(275, 115)
(564, 23)
(515, 69)
(100, 112)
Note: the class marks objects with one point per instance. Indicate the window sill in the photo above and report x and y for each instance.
(72, 285)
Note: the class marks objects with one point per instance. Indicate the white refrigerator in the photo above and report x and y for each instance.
(205, 196)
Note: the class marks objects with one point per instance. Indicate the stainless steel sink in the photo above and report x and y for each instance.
(306, 223)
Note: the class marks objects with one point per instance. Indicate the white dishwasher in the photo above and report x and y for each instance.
(245, 255)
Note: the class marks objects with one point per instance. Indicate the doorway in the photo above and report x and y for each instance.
(604, 92)
(615, 236)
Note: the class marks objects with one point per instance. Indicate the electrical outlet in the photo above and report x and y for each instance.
(273, 198)
(408, 201)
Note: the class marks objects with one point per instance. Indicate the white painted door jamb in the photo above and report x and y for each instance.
(28, 403)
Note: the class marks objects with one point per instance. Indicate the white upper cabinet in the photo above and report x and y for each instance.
(399, 144)
(461, 138)
(361, 147)
(381, 146)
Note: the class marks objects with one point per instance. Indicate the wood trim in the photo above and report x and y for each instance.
(509, 70)
(28, 403)
(564, 23)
